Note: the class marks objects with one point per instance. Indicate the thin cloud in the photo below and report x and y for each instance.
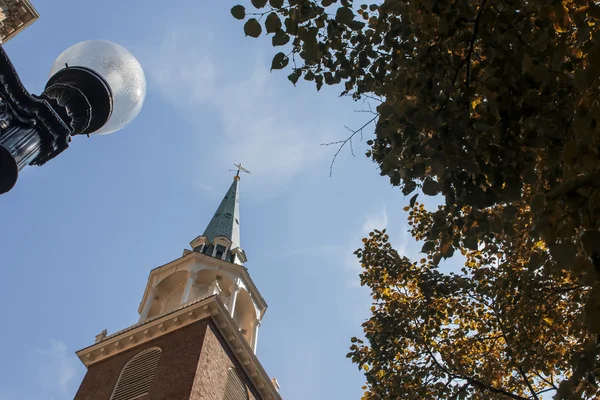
(267, 134)
(358, 310)
(377, 221)
(57, 369)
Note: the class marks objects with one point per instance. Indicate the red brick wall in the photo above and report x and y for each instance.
(213, 368)
(175, 373)
(193, 366)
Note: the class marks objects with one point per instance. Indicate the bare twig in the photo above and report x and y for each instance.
(466, 60)
(342, 143)
(472, 42)
(352, 148)
(509, 353)
(554, 387)
(592, 179)
(371, 97)
(462, 388)
(445, 387)
(472, 381)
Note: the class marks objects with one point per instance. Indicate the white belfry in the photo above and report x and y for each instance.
(213, 267)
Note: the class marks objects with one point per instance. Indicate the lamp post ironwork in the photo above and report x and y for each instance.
(95, 87)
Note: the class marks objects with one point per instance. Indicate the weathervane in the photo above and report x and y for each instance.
(239, 169)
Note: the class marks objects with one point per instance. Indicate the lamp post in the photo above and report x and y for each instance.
(95, 87)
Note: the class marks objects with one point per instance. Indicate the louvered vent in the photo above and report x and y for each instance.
(235, 389)
(137, 375)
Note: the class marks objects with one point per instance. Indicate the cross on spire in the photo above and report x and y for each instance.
(239, 169)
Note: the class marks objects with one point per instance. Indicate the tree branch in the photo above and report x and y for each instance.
(591, 179)
(509, 353)
(467, 59)
(473, 37)
(463, 387)
(553, 386)
(342, 143)
(473, 381)
(445, 387)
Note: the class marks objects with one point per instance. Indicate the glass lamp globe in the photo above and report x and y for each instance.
(120, 70)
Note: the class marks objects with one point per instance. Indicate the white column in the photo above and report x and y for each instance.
(147, 305)
(233, 298)
(191, 278)
(255, 336)
(214, 288)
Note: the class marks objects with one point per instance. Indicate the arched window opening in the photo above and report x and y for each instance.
(235, 389)
(137, 375)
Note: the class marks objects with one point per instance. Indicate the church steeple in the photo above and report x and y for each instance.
(198, 329)
(221, 238)
(226, 221)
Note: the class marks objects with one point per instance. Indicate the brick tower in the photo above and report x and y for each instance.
(198, 329)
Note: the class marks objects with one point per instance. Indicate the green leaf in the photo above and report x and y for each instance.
(276, 3)
(431, 187)
(413, 200)
(291, 25)
(447, 250)
(580, 80)
(279, 61)
(238, 12)
(534, 261)
(591, 241)
(259, 3)
(344, 15)
(252, 28)
(409, 187)
(427, 247)
(438, 163)
(558, 55)
(280, 38)
(294, 76)
(470, 242)
(564, 254)
(327, 3)
(356, 25)
(272, 23)
(509, 211)
(538, 202)
(319, 81)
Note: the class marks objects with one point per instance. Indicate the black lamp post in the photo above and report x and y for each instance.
(95, 87)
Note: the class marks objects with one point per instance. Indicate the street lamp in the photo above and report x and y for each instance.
(95, 87)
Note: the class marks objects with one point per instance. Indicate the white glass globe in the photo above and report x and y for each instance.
(119, 68)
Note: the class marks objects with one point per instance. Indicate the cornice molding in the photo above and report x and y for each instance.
(208, 261)
(210, 307)
(19, 14)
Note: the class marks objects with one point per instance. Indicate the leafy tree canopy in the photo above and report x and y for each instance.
(494, 105)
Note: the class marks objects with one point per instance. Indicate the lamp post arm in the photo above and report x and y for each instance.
(33, 129)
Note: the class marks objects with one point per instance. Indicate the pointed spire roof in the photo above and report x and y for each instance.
(226, 221)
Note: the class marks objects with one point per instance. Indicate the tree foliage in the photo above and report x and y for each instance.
(494, 105)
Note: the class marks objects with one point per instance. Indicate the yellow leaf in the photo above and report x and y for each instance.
(549, 320)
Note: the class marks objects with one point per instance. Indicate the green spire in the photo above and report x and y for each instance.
(226, 221)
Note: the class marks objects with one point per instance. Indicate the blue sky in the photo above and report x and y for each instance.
(82, 232)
